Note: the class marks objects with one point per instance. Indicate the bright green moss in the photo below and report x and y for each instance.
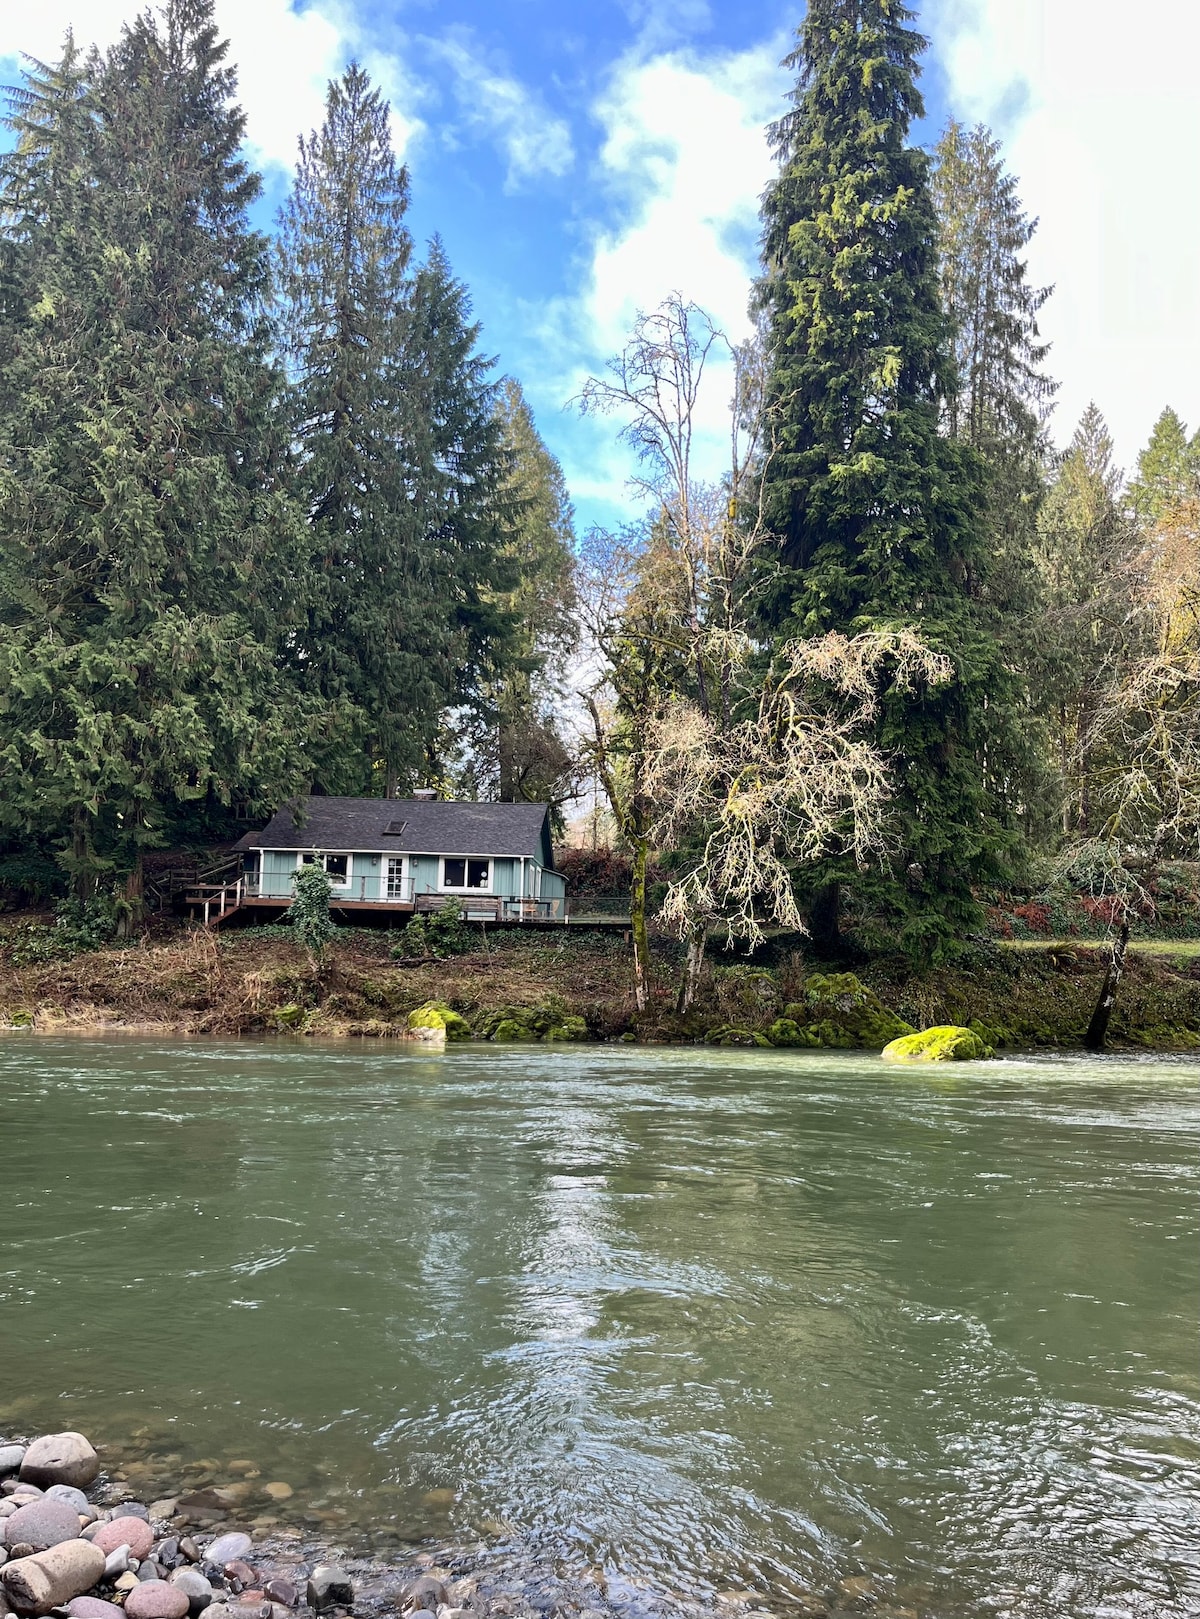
(948, 1043)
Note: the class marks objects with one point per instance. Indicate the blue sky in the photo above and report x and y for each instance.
(581, 160)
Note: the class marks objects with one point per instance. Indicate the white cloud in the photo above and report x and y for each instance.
(685, 159)
(533, 141)
(1101, 122)
(284, 59)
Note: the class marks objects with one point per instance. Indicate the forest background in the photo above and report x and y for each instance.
(272, 521)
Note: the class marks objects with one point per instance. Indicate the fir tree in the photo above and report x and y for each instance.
(520, 751)
(1085, 545)
(1168, 473)
(455, 466)
(876, 514)
(344, 252)
(147, 533)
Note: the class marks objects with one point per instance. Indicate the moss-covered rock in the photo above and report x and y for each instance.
(568, 1028)
(437, 1015)
(786, 1031)
(511, 1029)
(728, 1034)
(290, 1016)
(841, 1012)
(947, 1043)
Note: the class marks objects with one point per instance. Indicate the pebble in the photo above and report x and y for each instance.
(46, 1580)
(61, 1458)
(329, 1587)
(189, 1549)
(279, 1491)
(135, 1509)
(283, 1592)
(73, 1497)
(227, 1548)
(168, 1551)
(125, 1531)
(165, 1508)
(196, 1588)
(116, 1562)
(92, 1608)
(11, 1457)
(423, 1594)
(150, 1570)
(127, 1581)
(42, 1523)
(155, 1599)
(238, 1570)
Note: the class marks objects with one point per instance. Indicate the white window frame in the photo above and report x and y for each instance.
(444, 886)
(400, 860)
(325, 853)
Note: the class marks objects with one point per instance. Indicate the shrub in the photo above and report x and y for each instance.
(80, 925)
(309, 910)
(442, 933)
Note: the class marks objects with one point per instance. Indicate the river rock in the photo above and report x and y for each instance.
(126, 1582)
(61, 1458)
(228, 1548)
(11, 1457)
(134, 1509)
(155, 1599)
(329, 1587)
(93, 1608)
(196, 1588)
(42, 1523)
(48, 1579)
(166, 1508)
(283, 1592)
(116, 1562)
(189, 1549)
(132, 1532)
(73, 1497)
(425, 1592)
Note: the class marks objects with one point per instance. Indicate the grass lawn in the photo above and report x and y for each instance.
(1181, 949)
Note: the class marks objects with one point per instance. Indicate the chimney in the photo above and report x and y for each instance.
(425, 793)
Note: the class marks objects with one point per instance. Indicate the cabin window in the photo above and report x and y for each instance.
(467, 874)
(337, 865)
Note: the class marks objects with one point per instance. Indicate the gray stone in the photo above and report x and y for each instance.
(135, 1509)
(156, 1600)
(199, 1590)
(228, 1548)
(73, 1497)
(3, 1555)
(149, 1570)
(329, 1587)
(116, 1562)
(424, 1593)
(46, 1580)
(168, 1550)
(61, 1458)
(189, 1549)
(166, 1508)
(11, 1457)
(42, 1523)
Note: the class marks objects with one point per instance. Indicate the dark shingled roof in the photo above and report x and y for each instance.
(430, 827)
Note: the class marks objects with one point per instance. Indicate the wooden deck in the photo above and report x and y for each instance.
(217, 903)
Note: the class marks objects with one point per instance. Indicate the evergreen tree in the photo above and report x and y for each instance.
(520, 753)
(455, 466)
(1168, 473)
(148, 538)
(344, 252)
(998, 396)
(877, 514)
(1085, 546)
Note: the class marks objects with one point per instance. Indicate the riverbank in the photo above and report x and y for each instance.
(525, 985)
(227, 1543)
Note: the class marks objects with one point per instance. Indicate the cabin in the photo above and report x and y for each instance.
(401, 855)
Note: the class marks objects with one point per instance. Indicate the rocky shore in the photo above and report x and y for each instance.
(74, 1545)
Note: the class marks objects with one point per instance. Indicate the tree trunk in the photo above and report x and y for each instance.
(824, 921)
(131, 913)
(697, 939)
(83, 878)
(637, 917)
(1097, 1030)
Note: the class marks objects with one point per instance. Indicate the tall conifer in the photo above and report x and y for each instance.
(1168, 471)
(147, 535)
(876, 514)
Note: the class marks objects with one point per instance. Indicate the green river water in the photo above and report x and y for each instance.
(712, 1322)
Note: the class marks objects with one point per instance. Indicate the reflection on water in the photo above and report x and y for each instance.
(709, 1321)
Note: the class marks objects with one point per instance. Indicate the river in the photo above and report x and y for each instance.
(713, 1322)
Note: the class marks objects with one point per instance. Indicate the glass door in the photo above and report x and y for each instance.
(395, 877)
